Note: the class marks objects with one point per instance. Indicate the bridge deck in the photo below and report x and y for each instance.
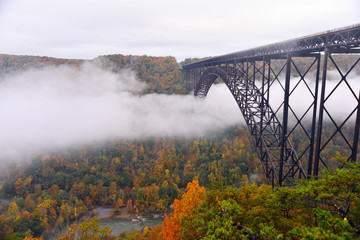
(342, 39)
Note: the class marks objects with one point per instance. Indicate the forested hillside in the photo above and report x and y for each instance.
(144, 175)
(314, 209)
(161, 74)
(208, 187)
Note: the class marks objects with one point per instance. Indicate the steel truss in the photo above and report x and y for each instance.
(251, 77)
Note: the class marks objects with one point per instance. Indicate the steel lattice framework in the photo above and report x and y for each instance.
(276, 123)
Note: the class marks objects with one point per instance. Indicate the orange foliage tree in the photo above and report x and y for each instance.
(184, 207)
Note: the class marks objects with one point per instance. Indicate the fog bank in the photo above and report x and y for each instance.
(62, 107)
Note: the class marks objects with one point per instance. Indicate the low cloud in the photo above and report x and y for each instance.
(56, 108)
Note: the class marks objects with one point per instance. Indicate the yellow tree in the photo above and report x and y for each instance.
(184, 207)
(54, 190)
(13, 209)
(22, 186)
(88, 230)
(112, 192)
(32, 238)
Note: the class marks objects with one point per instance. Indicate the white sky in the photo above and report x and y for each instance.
(185, 28)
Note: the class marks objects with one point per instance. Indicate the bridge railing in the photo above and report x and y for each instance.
(342, 38)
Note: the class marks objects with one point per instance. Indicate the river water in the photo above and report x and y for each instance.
(118, 225)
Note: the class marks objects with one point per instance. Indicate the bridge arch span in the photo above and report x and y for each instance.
(207, 78)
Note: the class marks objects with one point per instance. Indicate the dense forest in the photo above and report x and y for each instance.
(315, 209)
(208, 187)
(161, 74)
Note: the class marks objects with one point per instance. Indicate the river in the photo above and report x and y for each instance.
(120, 225)
(117, 225)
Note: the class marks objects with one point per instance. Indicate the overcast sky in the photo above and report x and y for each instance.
(183, 28)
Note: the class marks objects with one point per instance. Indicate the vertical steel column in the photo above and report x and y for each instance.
(265, 164)
(356, 132)
(268, 83)
(252, 95)
(321, 114)
(195, 78)
(285, 118)
(247, 87)
(235, 73)
(313, 124)
(188, 75)
(268, 102)
(254, 73)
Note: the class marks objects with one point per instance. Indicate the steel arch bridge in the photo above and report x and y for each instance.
(290, 90)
